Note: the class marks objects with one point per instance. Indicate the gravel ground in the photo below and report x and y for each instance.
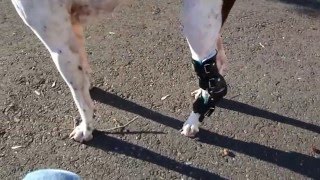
(268, 124)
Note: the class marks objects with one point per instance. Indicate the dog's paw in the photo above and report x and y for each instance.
(81, 133)
(191, 126)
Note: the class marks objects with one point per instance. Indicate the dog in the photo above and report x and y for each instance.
(59, 25)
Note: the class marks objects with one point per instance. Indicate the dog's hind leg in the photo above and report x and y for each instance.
(50, 20)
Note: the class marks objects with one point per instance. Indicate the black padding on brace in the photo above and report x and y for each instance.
(205, 109)
(211, 80)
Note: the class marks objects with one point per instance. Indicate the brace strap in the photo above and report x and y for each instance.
(211, 80)
(204, 106)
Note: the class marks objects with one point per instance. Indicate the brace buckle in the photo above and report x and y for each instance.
(211, 83)
(207, 69)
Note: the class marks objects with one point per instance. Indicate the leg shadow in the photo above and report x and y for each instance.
(253, 111)
(111, 144)
(308, 7)
(135, 132)
(297, 162)
(311, 4)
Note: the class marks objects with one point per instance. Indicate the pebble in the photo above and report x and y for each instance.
(83, 146)
(15, 119)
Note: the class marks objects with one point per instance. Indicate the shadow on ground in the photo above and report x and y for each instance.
(309, 7)
(297, 162)
(311, 4)
(253, 111)
(107, 143)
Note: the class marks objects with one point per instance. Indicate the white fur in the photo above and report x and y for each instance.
(201, 92)
(202, 20)
(61, 31)
(50, 21)
(191, 126)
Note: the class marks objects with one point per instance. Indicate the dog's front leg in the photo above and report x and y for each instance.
(202, 20)
(51, 22)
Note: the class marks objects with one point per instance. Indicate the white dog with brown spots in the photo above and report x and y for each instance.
(59, 25)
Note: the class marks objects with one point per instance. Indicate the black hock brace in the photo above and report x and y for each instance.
(211, 80)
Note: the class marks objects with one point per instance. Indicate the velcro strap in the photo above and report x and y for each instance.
(205, 109)
(209, 77)
(206, 68)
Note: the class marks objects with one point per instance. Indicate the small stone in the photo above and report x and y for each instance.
(55, 133)
(83, 146)
(227, 152)
(156, 10)
(138, 137)
(15, 119)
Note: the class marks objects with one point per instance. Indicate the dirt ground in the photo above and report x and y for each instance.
(269, 120)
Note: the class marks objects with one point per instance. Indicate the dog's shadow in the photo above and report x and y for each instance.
(297, 162)
(112, 144)
(308, 7)
(311, 4)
